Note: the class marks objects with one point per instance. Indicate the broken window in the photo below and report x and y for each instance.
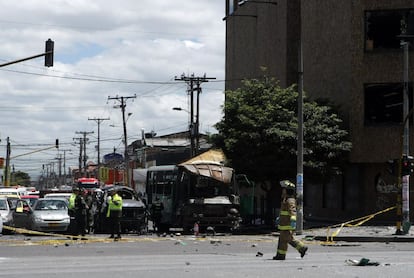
(383, 28)
(384, 103)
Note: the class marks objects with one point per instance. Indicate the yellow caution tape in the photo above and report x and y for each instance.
(360, 221)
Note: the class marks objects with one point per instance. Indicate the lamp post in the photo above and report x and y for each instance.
(241, 3)
(191, 130)
(403, 198)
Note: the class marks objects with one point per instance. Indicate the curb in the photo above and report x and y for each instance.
(368, 238)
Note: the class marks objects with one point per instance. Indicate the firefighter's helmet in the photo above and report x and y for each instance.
(287, 184)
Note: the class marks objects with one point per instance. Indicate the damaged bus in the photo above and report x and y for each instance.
(200, 190)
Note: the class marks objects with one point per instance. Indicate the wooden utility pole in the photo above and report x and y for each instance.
(123, 100)
(194, 85)
(83, 147)
(99, 121)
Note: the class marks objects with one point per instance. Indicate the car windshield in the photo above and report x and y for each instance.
(31, 201)
(50, 205)
(3, 204)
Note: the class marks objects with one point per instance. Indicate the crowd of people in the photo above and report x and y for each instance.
(86, 208)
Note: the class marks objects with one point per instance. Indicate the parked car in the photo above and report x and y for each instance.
(6, 213)
(30, 198)
(47, 215)
(11, 191)
(58, 195)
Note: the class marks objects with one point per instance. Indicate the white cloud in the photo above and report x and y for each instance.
(104, 48)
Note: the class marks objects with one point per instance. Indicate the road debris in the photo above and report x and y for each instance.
(361, 262)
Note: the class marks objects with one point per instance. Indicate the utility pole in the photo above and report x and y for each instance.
(403, 196)
(80, 154)
(98, 121)
(84, 146)
(123, 100)
(299, 165)
(193, 81)
(7, 170)
(64, 165)
(59, 159)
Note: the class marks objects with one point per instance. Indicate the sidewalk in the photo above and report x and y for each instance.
(359, 234)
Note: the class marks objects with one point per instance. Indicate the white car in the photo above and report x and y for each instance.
(58, 195)
(5, 212)
(46, 215)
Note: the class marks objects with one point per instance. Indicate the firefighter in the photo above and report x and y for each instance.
(156, 213)
(287, 222)
(114, 213)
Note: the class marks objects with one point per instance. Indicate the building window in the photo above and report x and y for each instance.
(384, 103)
(383, 27)
(230, 4)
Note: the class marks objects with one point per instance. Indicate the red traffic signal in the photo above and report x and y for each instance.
(407, 165)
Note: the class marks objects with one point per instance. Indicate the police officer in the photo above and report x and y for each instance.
(71, 210)
(156, 213)
(287, 222)
(80, 214)
(114, 213)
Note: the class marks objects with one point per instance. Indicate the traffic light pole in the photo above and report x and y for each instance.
(403, 198)
(48, 56)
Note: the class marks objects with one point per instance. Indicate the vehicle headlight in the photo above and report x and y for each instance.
(38, 218)
(6, 218)
(233, 211)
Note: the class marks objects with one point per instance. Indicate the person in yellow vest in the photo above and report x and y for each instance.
(114, 213)
(287, 222)
(71, 210)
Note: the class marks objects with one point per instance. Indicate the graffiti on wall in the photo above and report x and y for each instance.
(385, 198)
(383, 186)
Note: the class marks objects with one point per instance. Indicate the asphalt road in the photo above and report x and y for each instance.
(186, 256)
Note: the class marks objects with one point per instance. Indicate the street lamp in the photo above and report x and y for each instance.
(404, 185)
(241, 3)
(299, 160)
(180, 109)
(192, 130)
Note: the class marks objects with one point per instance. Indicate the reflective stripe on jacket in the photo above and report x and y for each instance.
(287, 214)
(72, 198)
(114, 204)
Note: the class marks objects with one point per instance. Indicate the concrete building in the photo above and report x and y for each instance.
(353, 58)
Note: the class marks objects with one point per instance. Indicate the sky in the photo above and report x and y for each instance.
(103, 50)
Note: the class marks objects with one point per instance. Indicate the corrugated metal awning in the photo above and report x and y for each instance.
(210, 156)
(209, 164)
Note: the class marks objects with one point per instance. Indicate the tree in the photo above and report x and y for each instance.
(21, 178)
(259, 129)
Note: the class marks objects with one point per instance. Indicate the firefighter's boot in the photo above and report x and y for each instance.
(279, 257)
(302, 251)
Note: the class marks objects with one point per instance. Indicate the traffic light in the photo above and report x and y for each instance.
(49, 53)
(407, 165)
(57, 144)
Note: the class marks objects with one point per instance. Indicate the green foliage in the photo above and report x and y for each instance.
(259, 130)
(20, 178)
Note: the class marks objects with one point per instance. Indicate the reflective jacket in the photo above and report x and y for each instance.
(287, 215)
(114, 204)
(71, 204)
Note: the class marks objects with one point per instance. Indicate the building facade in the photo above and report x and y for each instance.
(352, 57)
